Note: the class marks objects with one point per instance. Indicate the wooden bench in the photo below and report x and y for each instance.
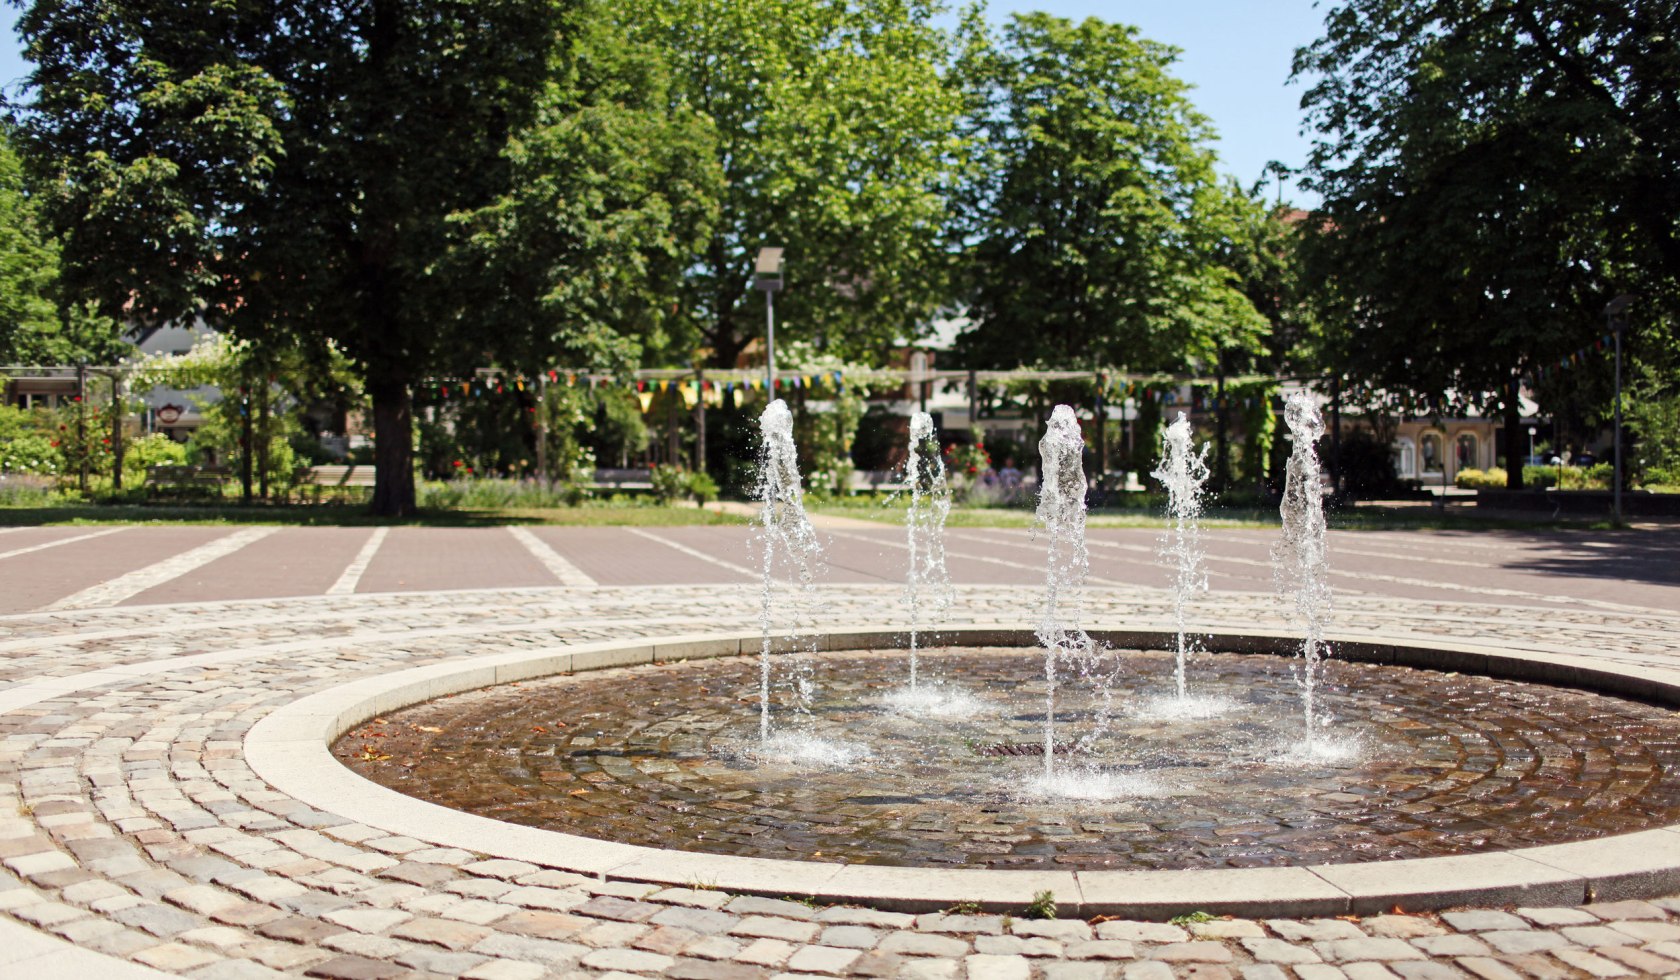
(340, 476)
(185, 482)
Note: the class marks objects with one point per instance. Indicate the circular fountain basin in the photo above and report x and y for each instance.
(1454, 783)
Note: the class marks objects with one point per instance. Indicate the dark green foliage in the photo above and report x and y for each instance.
(1101, 235)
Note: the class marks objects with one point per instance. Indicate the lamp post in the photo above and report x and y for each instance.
(1531, 431)
(767, 275)
(1613, 315)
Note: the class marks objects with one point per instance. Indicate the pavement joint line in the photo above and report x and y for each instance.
(557, 565)
(352, 574)
(694, 552)
(114, 591)
(967, 556)
(61, 541)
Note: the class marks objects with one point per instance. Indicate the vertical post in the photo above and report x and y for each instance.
(700, 420)
(770, 344)
(246, 440)
(116, 431)
(81, 425)
(1336, 436)
(1616, 499)
(975, 432)
(1222, 441)
(673, 438)
(539, 426)
(262, 434)
(1102, 428)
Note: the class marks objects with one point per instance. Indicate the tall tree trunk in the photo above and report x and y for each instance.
(393, 447)
(1514, 457)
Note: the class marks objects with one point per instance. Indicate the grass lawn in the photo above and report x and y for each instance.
(587, 515)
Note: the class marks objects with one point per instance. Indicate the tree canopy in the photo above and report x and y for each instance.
(344, 172)
(1101, 234)
(835, 138)
(1493, 173)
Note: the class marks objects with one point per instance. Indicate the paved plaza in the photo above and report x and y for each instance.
(136, 837)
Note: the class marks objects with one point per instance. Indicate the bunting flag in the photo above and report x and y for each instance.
(1541, 372)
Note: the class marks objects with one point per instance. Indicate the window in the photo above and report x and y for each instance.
(1405, 458)
(1466, 454)
(1432, 455)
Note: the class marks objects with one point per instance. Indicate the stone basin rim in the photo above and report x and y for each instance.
(289, 748)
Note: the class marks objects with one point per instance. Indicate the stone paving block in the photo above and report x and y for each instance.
(354, 968)
(713, 948)
(1452, 944)
(1093, 970)
(445, 962)
(604, 935)
(1557, 916)
(1400, 926)
(1370, 948)
(1226, 929)
(1200, 951)
(237, 969)
(1319, 971)
(1268, 950)
(1483, 920)
(247, 914)
(768, 927)
(159, 920)
(927, 968)
(756, 905)
(628, 960)
(850, 937)
(48, 914)
(300, 930)
(704, 921)
(1516, 942)
(846, 915)
(1591, 936)
(1263, 971)
(765, 952)
(1101, 949)
(478, 912)
(824, 959)
(1066, 930)
(1619, 911)
(440, 932)
(1426, 970)
(692, 897)
(203, 899)
(1314, 930)
(362, 944)
(553, 899)
(1639, 959)
(981, 966)
(367, 920)
(545, 925)
(1647, 932)
(1368, 971)
(917, 944)
(618, 909)
(505, 970)
(960, 924)
(551, 952)
(690, 969)
(1147, 970)
(1593, 964)
(175, 957)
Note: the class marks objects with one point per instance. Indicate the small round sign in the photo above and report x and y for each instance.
(169, 414)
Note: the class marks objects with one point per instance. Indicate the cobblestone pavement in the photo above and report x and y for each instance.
(131, 826)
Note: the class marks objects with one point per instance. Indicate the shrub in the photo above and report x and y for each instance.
(702, 488)
(1473, 479)
(489, 494)
(155, 449)
(25, 490)
(669, 483)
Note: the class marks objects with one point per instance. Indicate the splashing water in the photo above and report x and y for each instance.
(1183, 473)
(1061, 512)
(787, 541)
(1300, 558)
(924, 525)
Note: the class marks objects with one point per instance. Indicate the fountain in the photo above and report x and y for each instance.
(1183, 473)
(1300, 558)
(924, 529)
(787, 541)
(1453, 761)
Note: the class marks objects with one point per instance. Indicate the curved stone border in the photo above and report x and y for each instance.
(290, 749)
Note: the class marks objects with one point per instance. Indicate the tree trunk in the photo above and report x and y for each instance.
(1513, 436)
(393, 447)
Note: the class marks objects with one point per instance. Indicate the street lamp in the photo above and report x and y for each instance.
(1613, 315)
(767, 275)
(1531, 431)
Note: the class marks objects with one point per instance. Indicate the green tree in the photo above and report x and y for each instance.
(327, 171)
(1102, 234)
(36, 327)
(835, 139)
(1493, 172)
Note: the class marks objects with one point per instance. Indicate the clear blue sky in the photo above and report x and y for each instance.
(1235, 52)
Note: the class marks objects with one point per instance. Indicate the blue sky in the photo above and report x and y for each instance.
(1235, 52)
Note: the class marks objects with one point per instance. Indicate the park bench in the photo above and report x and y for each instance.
(185, 482)
(618, 480)
(351, 475)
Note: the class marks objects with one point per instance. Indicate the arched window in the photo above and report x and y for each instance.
(1433, 456)
(1465, 451)
(1405, 458)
